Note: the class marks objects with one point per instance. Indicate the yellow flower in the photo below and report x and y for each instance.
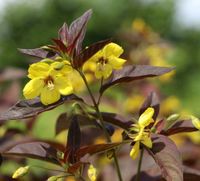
(47, 82)
(20, 172)
(141, 134)
(106, 60)
(92, 173)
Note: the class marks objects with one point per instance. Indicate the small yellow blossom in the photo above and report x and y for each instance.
(20, 172)
(92, 173)
(195, 122)
(47, 82)
(142, 135)
(106, 60)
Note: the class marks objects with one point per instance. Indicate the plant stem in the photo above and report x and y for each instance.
(139, 165)
(102, 124)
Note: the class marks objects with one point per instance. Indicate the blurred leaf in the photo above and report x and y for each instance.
(87, 53)
(180, 127)
(115, 119)
(29, 108)
(73, 168)
(94, 149)
(35, 150)
(11, 74)
(151, 101)
(191, 174)
(160, 125)
(77, 32)
(130, 73)
(168, 158)
(73, 140)
(38, 52)
(63, 33)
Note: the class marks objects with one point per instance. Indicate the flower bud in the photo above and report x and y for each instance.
(92, 173)
(20, 172)
(171, 120)
(195, 122)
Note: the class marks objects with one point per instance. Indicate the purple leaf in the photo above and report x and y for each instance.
(77, 31)
(131, 73)
(73, 140)
(38, 52)
(87, 53)
(63, 33)
(167, 157)
(29, 108)
(35, 150)
(180, 127)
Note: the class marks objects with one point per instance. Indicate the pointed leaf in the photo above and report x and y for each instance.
(35, 150)
(63, 33)
(151, 101)
(38, 52)
(29, 108)
(77, 31)
(131, 73)
(180, 127)
(87, 53)
(168, 158)
(73, 140)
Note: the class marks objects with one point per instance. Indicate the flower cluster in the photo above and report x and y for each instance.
(52, 78)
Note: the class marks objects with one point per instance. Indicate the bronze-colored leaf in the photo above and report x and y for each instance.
(38, 52)
(167, 157)
(180, 127)
(87, 53)
(29, 108)
(77, 31)
(63, 33)
(131, 73)
(73, 140)
(35, 150)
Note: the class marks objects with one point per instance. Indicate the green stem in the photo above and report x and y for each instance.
(102, 124)
(139, 165)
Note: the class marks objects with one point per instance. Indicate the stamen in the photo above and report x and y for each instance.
(50, 85)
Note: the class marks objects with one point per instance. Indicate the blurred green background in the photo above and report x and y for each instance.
(30, 25)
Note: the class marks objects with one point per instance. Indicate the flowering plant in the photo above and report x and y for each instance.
(61, 72)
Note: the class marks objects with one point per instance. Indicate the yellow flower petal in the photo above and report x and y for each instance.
(116, 63)
(103, 71)
(135, 150)
(92, 173)
(63, 85)
(147, 141)
(39, 69)
(146, 118)
(112, 49)
(195, 122)
(33, 88)
(49, 96)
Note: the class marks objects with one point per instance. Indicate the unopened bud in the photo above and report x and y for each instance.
(59, 66)
(47, 60)
(195, 122)
(171, 120)
(92, 173)
(20, 172)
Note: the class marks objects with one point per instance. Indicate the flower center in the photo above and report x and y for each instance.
(49, 83)
(101, 62)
